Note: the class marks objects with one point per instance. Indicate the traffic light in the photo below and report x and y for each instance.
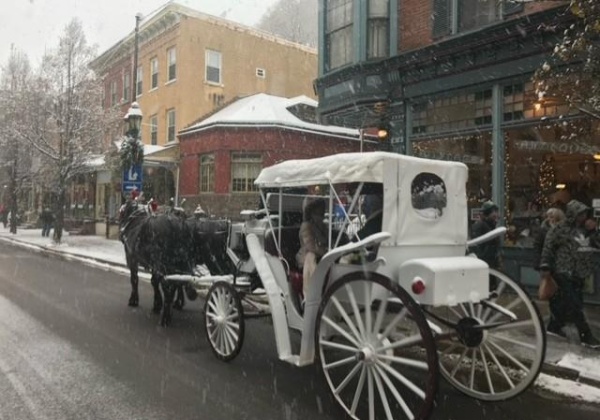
(383, 131)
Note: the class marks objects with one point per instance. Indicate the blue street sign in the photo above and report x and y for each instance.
(132, 179)
(133, 174)
(132, 186)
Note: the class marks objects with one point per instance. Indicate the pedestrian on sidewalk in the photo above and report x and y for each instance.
(47, 219)
(554, 215)
(4, 215)
(488, 251)
(567, 257)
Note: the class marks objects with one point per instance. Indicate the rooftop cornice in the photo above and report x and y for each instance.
(169, 16)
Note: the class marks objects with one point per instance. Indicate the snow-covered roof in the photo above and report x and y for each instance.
(267, 110)
(95, 161)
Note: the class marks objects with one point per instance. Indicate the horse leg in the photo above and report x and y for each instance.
(169, 291)
(158, 300)
(134, 298)
(179, 297)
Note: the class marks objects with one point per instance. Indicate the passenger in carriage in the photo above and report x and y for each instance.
(313, 240)
(374, 206)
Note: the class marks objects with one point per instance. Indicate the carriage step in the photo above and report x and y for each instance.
(207, 281)
(293, 359)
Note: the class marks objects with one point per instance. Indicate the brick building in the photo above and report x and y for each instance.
(222, 154)
(453, 80)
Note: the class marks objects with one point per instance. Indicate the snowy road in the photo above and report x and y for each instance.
(70, 348)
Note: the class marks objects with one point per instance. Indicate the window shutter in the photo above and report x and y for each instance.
(441, 18)
(511, 7)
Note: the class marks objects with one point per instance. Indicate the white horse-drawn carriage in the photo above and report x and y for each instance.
(386, 314)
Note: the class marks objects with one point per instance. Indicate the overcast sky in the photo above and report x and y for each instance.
(35, 25)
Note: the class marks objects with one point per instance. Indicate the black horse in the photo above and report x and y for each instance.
(167, 244)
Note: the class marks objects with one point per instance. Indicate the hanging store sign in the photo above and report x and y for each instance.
(542, 146)
(468, 159)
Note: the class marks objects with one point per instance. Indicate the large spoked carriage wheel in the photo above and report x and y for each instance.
(224, 319)
(376, 349)
(494, 350)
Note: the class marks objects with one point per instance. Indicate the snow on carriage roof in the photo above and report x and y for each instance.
(268, 110)
(342, 168)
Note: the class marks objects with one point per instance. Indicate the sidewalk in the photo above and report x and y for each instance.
(564, 359)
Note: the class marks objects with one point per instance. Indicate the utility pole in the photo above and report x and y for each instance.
(138, 18)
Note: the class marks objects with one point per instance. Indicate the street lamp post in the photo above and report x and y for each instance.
(138, 17)
(134, 121)
(132, 151)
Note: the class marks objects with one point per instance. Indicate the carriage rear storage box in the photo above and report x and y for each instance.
(447, 280)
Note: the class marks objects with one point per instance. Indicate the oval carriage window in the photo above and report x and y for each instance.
(428, 194)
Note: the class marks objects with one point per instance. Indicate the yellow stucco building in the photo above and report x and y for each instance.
(189, 64)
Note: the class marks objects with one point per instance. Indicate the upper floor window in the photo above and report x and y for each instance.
(454, 16)
(126, 86)
(213, 66)
(154, 73)
(170, 125)
(378, 29)
(139, 79)
(171, 64)
(245, 168)
(114, 99)
(154, 130)
(207, 173)
(338, 33)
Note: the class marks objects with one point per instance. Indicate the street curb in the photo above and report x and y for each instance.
(61, 254)
(547, 368)
(569, 374)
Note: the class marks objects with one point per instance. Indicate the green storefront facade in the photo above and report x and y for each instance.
(471, 98)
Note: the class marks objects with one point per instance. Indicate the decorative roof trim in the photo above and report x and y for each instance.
(169, 16)
(259, 125)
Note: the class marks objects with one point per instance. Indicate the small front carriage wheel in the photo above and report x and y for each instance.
(376, 349)
(224, 319)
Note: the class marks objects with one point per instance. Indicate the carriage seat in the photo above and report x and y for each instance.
(290, 245)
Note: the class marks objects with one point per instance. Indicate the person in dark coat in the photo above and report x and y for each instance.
(568, 257)
(554, 216)
(488, 251)
(47, 219)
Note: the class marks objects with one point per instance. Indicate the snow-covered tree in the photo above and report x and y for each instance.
(66, 120)
(15, 158)
(294, 20)
(572, 73)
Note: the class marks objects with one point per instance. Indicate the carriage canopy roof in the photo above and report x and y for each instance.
(346, 168)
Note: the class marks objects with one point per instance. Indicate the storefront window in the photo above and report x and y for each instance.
(545, 166)
(459, 112)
